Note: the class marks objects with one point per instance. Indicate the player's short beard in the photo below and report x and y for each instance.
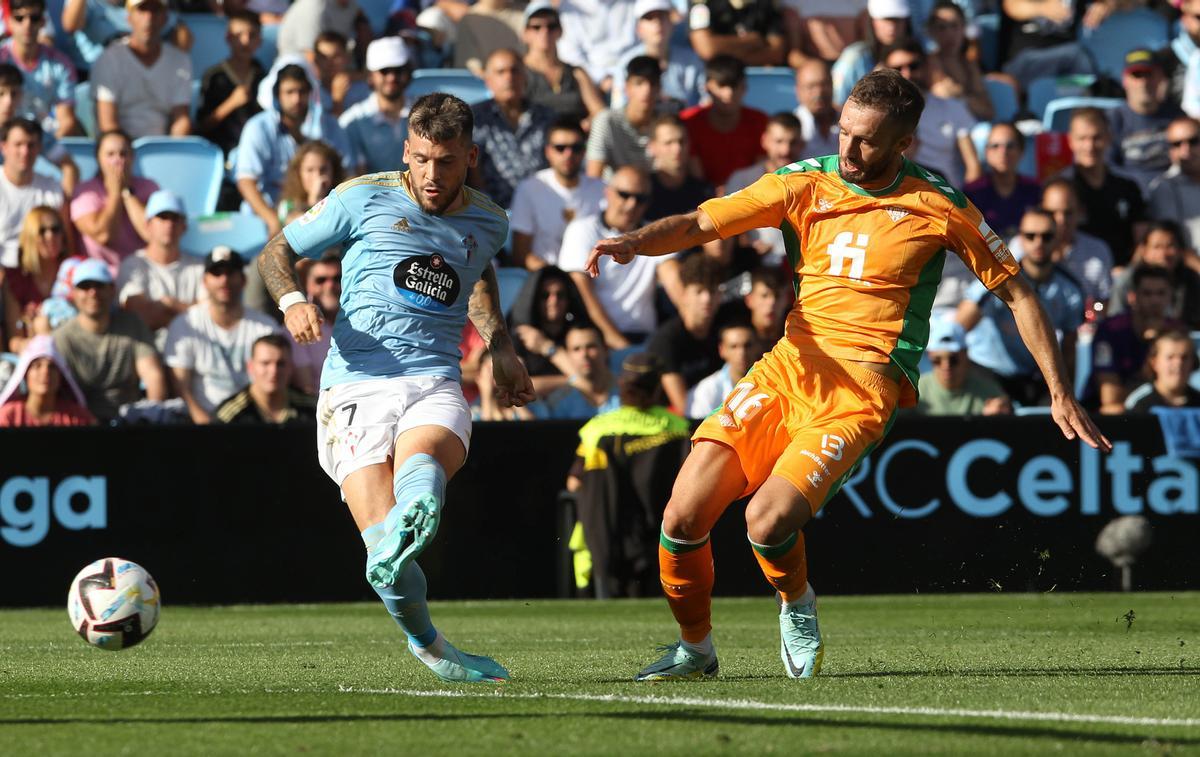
(866, 174)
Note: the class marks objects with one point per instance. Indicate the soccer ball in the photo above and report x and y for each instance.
(113, 603)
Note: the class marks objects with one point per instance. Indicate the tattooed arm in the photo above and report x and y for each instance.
(513, 386)
(277, 267)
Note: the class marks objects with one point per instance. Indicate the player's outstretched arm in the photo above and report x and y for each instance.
(513, 386)
(277, 267)
(1038, 336)
(670, 234)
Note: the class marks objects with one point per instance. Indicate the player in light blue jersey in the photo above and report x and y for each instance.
(393, 425)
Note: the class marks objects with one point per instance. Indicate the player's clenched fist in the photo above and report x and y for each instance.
(303, 321)
(621, 249)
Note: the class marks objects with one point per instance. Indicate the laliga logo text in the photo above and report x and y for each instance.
(78, 502)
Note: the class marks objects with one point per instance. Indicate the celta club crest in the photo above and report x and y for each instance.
(436, 261)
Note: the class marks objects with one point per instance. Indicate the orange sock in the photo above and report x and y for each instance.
(785, 565)
(686, 571)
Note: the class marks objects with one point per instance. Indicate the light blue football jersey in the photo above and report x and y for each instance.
(406, 277)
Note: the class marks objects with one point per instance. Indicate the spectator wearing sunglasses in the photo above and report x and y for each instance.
(1139, 125)
(1001, 194)
(993, 340)
(49, 85)
(323, 285)
(620, 302)
(955, 386)
(544, 203)
(561, 87)
(1176, 194)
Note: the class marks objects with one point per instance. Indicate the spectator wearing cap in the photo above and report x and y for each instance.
(270, 140)
(268, 400)
(619, 135)
(1113, 207)
(109, 210)
(544, 203)
(143, 86)
(209, 345)
(1175, 195)
(955, 386)
(378, 126)
(994, 341)
(509, 129)
(620, 302)
(323, 285)
(228, 89)
(596, 35)
(109, 351)
(738, 348)
(21, 188)
(749, 30)
(682, 69)
(1139, 125)
(816, 111)
(943, 134)
(50, 396)
(565, 89)
(1170, 365)
(890, 22)
(49, 75)
(687, 343)
(488, 26)
(158, 283)
(1122, 341)
(591, 387)
(725, 134)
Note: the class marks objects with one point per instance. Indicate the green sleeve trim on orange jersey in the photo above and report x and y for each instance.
(936, 181)
(914, 332)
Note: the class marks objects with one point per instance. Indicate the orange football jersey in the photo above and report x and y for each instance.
(867, 263)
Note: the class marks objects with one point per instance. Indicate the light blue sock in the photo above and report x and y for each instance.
(418, 476)
(405, 599)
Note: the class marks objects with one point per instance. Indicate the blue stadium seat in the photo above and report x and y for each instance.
(988, 25)
(1003, 97)
(1058, 112)
(510, 280)
(1046, 88)
(85, 107)
(191, 167)
(45, 168)
(209, 47)
(455, 81)
(376, 12)
(270, 46)
(245, 233)
(771, 90)
(1121, 32)
(83, 151)
(1083, 364)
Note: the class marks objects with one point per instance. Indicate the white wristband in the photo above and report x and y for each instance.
(289, 299)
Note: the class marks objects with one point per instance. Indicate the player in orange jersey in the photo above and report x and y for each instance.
(867, 232)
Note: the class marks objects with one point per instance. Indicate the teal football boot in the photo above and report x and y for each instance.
(460, 667)
(800, 645)
(679, 664)
(408, 531)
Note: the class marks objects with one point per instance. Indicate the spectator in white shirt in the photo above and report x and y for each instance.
(21, 189)
(158, 283)
(596, 34)
(544, 203)
(817, 114)
(144, 86)
(738, 347)
(209, 345)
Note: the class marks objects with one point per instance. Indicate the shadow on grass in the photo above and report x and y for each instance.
(682, 716)
(1016, 672)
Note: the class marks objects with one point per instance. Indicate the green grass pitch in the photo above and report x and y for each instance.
(995, 674)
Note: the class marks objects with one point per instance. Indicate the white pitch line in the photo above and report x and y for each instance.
(749, 704)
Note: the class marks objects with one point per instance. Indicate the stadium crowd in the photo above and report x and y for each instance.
(592, 119)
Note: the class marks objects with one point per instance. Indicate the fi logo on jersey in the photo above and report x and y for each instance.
(427, 281)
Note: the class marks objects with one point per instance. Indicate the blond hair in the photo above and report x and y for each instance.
(31, 233)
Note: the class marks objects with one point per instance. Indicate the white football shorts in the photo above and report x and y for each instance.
(358, 422)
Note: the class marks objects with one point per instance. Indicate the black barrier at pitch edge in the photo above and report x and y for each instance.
(222, 515)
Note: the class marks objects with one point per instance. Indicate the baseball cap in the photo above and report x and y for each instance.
(946, 335)
(130, 4)
(386, 52)
(643, 7)
(221, 257)
(164, 201)
(642, 370)
(91, 270)
(539, 6)
(888, 8)
(1141, 60)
